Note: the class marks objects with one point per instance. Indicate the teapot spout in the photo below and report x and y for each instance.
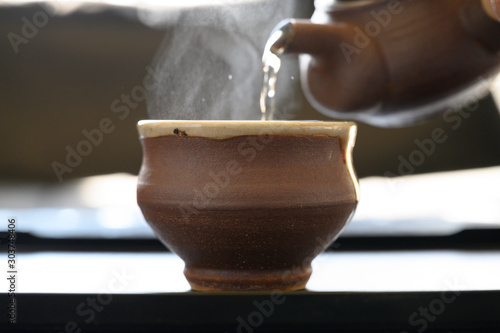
(303, 36)
(330, 76)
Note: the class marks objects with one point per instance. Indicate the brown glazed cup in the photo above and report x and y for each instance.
(247, 204)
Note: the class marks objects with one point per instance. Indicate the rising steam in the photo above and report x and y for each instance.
(210, 60)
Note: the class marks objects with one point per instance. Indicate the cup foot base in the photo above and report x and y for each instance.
(203, 279)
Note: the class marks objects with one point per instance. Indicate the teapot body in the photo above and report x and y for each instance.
(393, 63)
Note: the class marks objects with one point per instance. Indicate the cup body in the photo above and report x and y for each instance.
(247, 205)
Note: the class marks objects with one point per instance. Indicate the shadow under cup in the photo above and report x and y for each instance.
(247, 204)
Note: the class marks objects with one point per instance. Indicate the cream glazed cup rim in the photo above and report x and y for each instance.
(225, 129)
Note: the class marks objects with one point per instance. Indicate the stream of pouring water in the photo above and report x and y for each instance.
(276, 45)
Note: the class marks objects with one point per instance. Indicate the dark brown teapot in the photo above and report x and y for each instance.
(392, 63)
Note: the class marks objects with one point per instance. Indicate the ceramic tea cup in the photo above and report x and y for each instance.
(247, 204)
